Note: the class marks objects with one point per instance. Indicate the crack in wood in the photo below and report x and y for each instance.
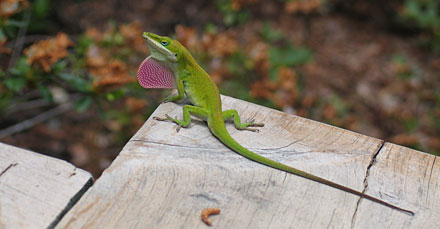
(71, 203)
(173, 145)
(7, 168)
(429, 179)
(367, 173)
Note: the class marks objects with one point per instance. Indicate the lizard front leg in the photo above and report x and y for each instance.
(180, 93)
(187, 111)
(237, 122)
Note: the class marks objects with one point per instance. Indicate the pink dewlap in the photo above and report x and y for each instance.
(151, 74)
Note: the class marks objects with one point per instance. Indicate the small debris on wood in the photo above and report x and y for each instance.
(207, 212)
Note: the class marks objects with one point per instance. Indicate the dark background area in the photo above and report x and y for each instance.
(68, 86)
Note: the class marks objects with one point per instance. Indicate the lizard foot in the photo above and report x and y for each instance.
(167, 117)
(252, 123)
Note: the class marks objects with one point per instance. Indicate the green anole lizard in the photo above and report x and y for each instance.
(171, 65)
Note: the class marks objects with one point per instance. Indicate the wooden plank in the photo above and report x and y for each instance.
(405, 177)
(164, 179)
(36, 190)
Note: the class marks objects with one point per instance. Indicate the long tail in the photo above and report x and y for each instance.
(222, 134)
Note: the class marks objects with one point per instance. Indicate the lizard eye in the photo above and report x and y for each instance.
(164, 43)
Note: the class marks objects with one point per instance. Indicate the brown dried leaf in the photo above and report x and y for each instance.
(96, 57)
(434, 143)
(113, 73)
(10, 7)
(47, 52)
(94, 34)
(188, 37)
(224, 44)
(236, 5)
(135, 104)
(400, 68)
(262, 89)
(329, 112)
(287, 91)
(435, 63)
(283, 92)
(303, 6)
(106, 72)
(404, 139)
(258, 52)
(132, 34)
(3, 49)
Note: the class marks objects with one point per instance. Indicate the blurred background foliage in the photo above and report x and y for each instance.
(68, 86)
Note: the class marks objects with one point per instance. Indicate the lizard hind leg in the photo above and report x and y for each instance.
(187, 111)
(237, 122)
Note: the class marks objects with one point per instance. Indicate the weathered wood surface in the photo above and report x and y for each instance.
(35, 189)
(164, 179)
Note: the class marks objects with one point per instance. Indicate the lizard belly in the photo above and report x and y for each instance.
(195, 95)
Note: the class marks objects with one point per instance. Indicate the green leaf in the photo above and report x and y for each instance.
(341, 107)
(230, 16)
(114, 95)
(273, 74)
(41, 8)
(83, 103)
(289, 56)
(235, 89)
(2, 35)
(269, 34)
(211, 28)
(15, 83)
(14, 23)
(76, 82)
(59, 66)
(45, 92)
(83, 44)
(21, 68)
(411, 124)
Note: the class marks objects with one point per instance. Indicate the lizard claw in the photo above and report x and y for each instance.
(250, 129)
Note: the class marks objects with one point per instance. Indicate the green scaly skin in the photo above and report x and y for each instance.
(203, 93)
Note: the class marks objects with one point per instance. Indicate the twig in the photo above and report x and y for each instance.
(16, 106)
(18, 46)
(27, 40)
(35, 120)
(33, 104)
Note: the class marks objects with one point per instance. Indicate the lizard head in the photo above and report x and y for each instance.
(157, 70)
(163, 48)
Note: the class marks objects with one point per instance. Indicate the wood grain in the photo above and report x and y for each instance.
(164, 179)
(36, 190)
